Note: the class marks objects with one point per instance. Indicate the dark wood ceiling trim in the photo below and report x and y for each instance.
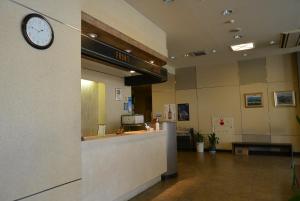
(112, 31)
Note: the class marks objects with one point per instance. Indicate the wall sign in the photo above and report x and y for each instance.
(222, 125)
(118, 94)
(170, 112)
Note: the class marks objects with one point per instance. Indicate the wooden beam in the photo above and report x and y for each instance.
(120, 40)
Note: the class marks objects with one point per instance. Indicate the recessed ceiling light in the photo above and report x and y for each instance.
(227, 12)
(237, 36)
(132, 71)
(151, 62)
(214, 51)
(245, 54)
(168, 1)
(92, 35)
(172, 57)
(235, 30)
(128, 51)
(230, 21)
(272, 42)
(243, 46)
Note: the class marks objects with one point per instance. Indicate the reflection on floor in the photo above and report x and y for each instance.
(225, 177)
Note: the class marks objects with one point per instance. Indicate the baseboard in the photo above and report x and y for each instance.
(296, 154)
(139, 189)
(220, 150)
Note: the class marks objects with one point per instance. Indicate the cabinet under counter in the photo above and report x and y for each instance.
(121, 166)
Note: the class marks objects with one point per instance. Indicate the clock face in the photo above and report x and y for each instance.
(37, 31)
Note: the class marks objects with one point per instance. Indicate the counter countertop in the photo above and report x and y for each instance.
(129, 134)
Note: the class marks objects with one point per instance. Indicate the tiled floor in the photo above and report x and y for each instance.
(225, 177)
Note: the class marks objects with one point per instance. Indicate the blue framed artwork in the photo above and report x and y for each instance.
(284, 99)
(253, 100)
(183, 112)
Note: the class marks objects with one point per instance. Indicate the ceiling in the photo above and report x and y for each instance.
(199, 25)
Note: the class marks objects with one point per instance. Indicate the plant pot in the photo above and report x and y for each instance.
(212, 149)
(200, 147)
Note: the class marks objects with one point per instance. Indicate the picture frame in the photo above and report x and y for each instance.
(284, 98)
(253, 100)
(118, 94)
(183, 112)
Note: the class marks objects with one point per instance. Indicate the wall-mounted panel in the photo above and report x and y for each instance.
(283, 119)
(40, 106)
(255, 121)
(282, 68)
(218, 75)
(219, 102)
(252, 71)
(185, 78)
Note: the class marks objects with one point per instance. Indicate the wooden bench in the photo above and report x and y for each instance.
(264, 148)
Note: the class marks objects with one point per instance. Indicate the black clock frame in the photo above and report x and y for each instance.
(23, 28)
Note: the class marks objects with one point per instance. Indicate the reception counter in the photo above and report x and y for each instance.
(117, 167)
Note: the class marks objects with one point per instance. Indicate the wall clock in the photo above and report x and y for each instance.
(37, 31)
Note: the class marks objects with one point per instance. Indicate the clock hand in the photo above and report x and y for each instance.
(34, 28)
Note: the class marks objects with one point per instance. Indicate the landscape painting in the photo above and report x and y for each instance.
(253, 100)
(284, 99)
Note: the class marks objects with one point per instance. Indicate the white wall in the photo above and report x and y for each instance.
(163, 93)
(114, 108)
(220, 92)
(124, 18)
(39, 104)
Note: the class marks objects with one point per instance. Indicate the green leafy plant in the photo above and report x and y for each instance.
(213, 140)
(199, 137)
(298, 119)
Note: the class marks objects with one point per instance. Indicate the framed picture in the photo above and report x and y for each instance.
(284, 99)
(183, 112)
(118, 94)
(253, 100)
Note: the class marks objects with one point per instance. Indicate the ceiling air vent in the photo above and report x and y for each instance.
(290, 39)
(197, 53)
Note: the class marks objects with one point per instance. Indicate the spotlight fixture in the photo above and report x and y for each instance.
(227, 12)
(151, 62)
(128, 51)
(237, 36)
(235, 30)
(214, 51)
(272, 42)
(243, 46)
(168, 1)
(92, 35)
(132, 71)
(231, 21)
(186, 55)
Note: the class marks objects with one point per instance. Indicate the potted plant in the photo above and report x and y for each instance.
(213, 141)
(200, 142)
